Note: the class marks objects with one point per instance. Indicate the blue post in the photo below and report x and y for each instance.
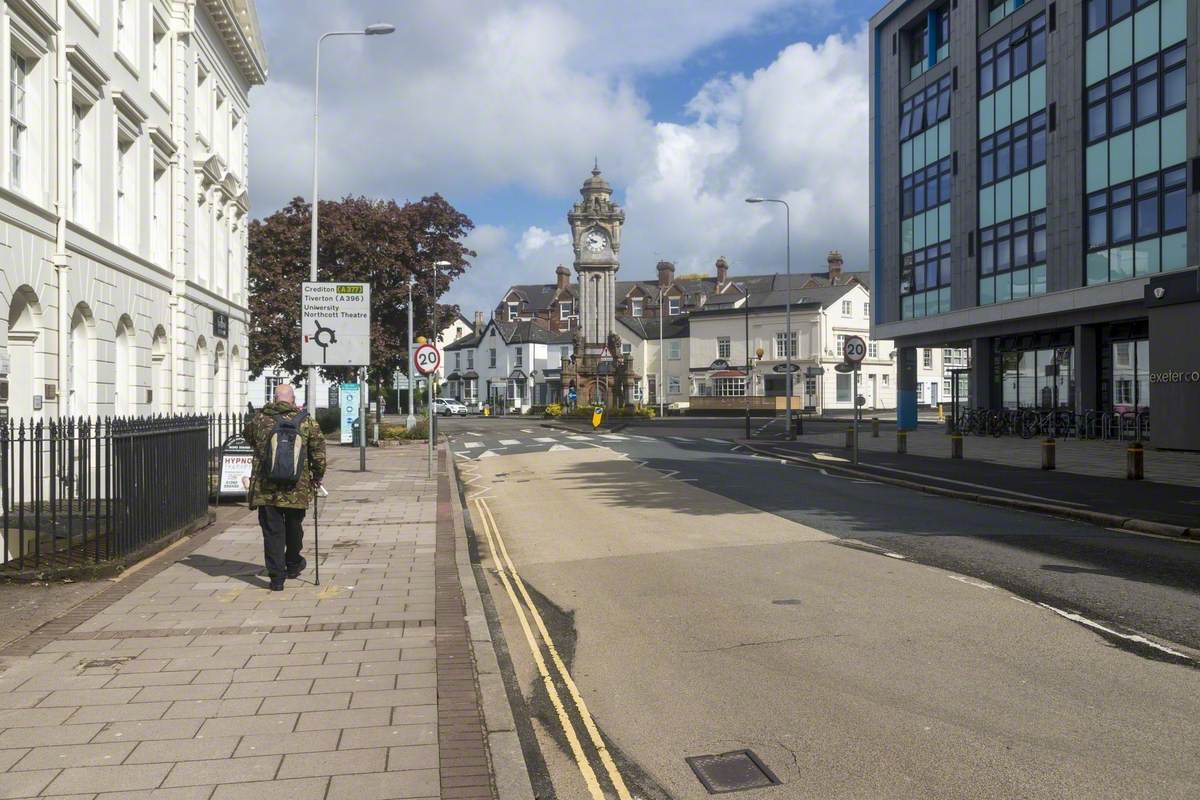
(906, 391)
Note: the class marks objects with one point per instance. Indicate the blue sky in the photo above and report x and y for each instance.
(501, 107)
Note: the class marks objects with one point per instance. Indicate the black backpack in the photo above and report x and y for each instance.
(286, 449)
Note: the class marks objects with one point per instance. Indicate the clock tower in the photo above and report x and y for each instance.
(596, 236)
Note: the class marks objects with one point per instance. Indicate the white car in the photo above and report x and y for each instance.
(449, 407)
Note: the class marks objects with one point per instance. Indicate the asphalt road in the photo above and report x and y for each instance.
(704, 600)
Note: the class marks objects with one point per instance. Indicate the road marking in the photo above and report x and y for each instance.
(1082, 620)
(890, 554)
(643, 438)
(526, 430)
(680, 438)
(463, 455)
(828, 457)
(970, 581)
(579, 437)
(545, 439)
(557, 447)
(585, 768)
(668, 473)
(509, 442)
(614, 436)
(488, 454)
(472, 445)
(718, 441)
(977, 486)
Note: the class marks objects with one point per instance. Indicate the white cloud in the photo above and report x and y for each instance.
(535, 240)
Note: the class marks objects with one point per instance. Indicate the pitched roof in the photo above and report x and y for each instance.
(538, 296)
(648, 327)
(527, 331)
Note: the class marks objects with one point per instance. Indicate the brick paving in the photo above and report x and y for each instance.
(189, 679)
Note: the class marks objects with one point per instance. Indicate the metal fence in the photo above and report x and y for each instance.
(77, 491)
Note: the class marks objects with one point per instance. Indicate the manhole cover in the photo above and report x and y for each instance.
(791, 601)
(731, 772)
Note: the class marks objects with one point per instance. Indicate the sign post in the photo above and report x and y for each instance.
(335, 324)
(854, 351)
(428, 359)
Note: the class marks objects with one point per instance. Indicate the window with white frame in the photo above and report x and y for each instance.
(457, 361)
(126, 190)
(564, 311)
(841, 345)
(927, 358)
(810, 387)
(673, 350)
(470, 359)
(512, 311)
(673, 306)
(673, 384)
(203, 104)
(492, 358)
(843, 387)
(221, 125)
(203, 240)
(77, 114)
(269, 384)
(564, 354)
(236, 136)
(519, 357)
(638, 395)
(18, 119)
(160, 230)
(222, 250)
(626, 349)
(729, 387)
(873, 349)
(160, 62)
(782, 350)
(127, 30)
(723, 347)
(635, 306)
(847, 308)
(867, 310)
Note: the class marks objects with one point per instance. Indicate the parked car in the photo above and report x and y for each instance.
(446, 407)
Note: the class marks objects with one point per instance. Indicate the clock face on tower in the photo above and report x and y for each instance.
(594, 242)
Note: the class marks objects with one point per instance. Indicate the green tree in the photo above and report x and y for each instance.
(374, 241)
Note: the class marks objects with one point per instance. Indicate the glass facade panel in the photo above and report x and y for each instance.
(1173, 14)
(1097, 166)
(987, 206)
(1120, 158)
(1120, 262)
(987, 115)
(1037, 89)
(1096, 58)
(1120, 45)
(1145, 32)
(1097, 268)
(1145, 140)
(1020, 98)
(1037, 188)
(1146, 257)
(1020, 194)
(1174, 139)
(1037, 280)
(1174, 252)
(1003, 107)
(987, 291)
(1003, 200)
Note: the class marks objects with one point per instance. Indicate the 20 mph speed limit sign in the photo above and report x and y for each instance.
(855, 349)
(427, 358)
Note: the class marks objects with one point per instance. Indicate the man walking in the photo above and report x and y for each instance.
(289, 465)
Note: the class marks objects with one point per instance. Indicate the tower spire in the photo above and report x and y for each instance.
(596, 165)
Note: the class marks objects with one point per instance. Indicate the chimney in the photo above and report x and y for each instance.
(722, 273)
(478, 321)
(834, 260)
(666, 273)
(564, 276)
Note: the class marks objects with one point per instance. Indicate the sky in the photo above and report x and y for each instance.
(501, 106)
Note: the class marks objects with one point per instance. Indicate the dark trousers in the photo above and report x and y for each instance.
(283, 534)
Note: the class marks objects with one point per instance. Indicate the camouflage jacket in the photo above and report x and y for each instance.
(269, 493)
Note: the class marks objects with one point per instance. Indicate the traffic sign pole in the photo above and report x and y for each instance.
(362, 419)
(427, 360)
(854, 350)
(856, 415)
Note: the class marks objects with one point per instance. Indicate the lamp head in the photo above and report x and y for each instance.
(754, 199)
(379, 29)
(442, 264)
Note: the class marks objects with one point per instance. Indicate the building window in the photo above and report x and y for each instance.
(840, 344)
(1015, 150)
(492, 358)
(126, 183)
(457, 362)
(1131, 375)
(672, 306)
(160, 63)
(564, 354)
(872, 349)
(1012, 260)
(810, 388)
(723, 347)
(638, 394)
(926, 178)
(918, 43)
(782, 351)
(161, 217)
(866, 311)
(512, 311)
(673, 350)
(564, 311)
(203, 104)
(673, 384)
(927, 358)
(635, 306)
(270, 382)
(519, 357)
(470, 359)
(127, 30)
(626, 349)
(18, 126)
(887, 379)
(843, 387)
(1037, 378)
(76, 159)
(847, 308)
(729, 387)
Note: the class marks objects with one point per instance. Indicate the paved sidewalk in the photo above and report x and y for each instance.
(188, 679)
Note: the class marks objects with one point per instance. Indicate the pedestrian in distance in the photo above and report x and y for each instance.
(289, 465)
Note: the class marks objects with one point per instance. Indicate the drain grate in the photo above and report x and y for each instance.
(732, 772)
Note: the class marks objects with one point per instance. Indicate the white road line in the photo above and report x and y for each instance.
(970, 581)
(680, 438)
(643, 438)
(1056, 501)
(463, 455)
(1071, 615)
(669, 473)
(579, 437)
(557, 447)
(895, 555)
(613, 436)
(545, 439)
(472, 445)
(718, 441)
(488, 454)
(526, 430)
(510, 442)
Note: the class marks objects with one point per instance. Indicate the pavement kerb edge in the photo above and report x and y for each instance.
(1084, 515)
(509, 771)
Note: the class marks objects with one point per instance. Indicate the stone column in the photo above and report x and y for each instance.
(1085, 361)
(980, 388)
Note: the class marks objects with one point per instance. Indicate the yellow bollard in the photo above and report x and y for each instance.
(1135, 462)
(901, 441)
(1048, 447)
(956, 445)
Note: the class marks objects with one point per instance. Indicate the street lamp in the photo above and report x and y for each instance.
(788, 312)
(378, 29)
(434, 338)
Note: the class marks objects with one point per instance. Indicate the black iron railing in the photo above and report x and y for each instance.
(76, 491)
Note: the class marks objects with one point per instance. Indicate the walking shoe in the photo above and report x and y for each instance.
(294, 572)
(276, 584)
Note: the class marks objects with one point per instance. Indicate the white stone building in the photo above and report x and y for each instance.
(123, 204)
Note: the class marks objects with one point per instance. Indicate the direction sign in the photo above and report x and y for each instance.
(855, 349)
(335, 324)
(427, 358)
(785, 368)
(814, 372)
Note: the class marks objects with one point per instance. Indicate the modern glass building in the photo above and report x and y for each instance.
(1034, 169)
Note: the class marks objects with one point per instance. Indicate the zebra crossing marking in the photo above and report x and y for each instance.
(472, 445)
(510, 442)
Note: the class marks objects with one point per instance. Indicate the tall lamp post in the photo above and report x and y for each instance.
(431, 377)
(379, 29)
(410, 420)
(746, 385)
(788, 309)
(662, 356)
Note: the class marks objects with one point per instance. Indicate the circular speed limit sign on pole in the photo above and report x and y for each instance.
(427, 359)
(855, 349)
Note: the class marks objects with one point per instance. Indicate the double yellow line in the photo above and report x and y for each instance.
(509, 577)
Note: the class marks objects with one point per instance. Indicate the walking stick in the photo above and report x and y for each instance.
(317, 535)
